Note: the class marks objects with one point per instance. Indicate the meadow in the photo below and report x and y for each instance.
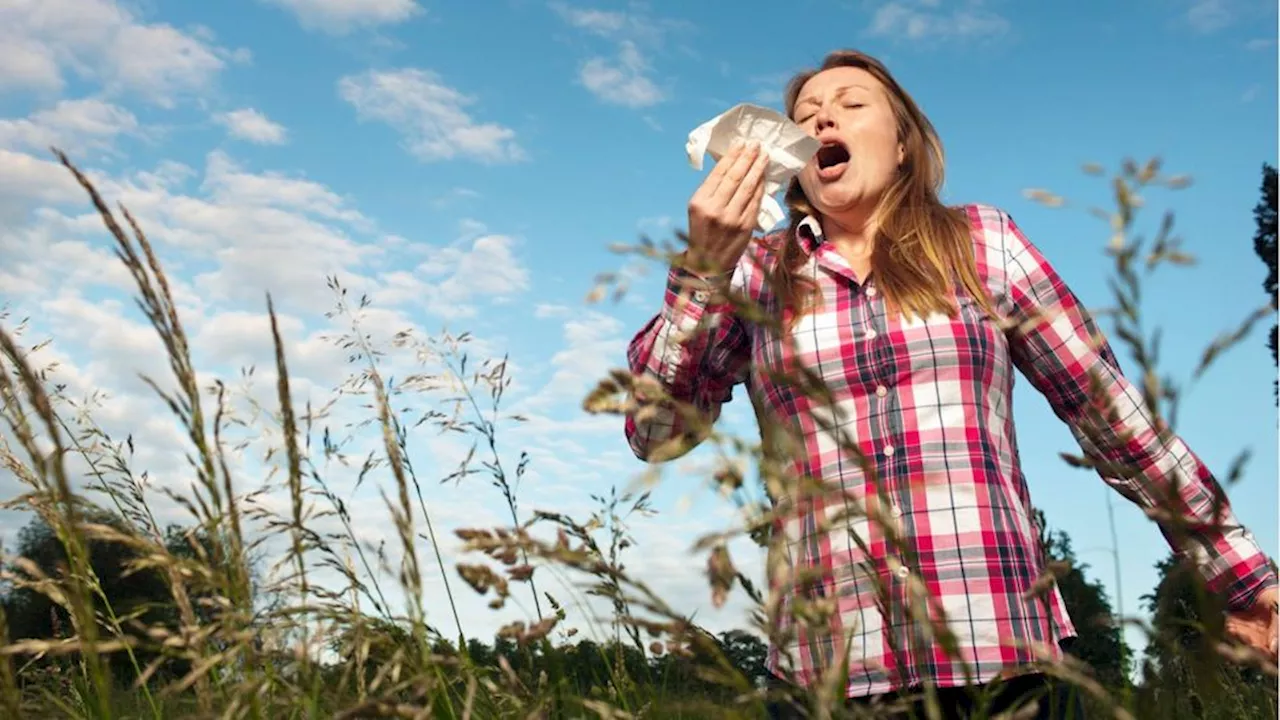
(108, 614)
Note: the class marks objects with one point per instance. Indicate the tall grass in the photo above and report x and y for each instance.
(245, 644)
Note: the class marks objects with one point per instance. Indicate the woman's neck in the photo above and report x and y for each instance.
(855, 242)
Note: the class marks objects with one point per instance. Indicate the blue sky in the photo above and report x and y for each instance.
(468, 165)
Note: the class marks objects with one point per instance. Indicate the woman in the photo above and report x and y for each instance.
(915, 316)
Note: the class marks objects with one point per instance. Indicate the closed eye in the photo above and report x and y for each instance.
(806, 118)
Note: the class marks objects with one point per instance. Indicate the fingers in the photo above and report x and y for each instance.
(1239, 630)
(716, 177)
(722, 212)
(1247, 629)
(718, 170)
(735, 171)
(745, 202)
(1254, 632)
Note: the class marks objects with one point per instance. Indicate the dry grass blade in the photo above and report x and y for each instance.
(159, 308)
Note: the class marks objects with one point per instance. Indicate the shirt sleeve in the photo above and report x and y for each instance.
(697, 349)
(1058, 346)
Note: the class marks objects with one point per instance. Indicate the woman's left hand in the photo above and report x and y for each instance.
(1256, 625)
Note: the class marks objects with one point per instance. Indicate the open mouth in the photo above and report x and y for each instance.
(832, 154)
(832, 157)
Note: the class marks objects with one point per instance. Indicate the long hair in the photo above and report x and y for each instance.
(920, 246)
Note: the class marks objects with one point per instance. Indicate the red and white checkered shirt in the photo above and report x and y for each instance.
(930, 403)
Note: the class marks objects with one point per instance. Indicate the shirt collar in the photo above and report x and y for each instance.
(809, 233)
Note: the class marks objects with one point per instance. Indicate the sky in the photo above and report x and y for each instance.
(468, 166)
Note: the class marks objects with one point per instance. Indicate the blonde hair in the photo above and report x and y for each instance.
(919, 242)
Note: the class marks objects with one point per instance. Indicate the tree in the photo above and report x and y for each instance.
(138, 599)
(747, 653)
(1264, 244)
(1099, 641)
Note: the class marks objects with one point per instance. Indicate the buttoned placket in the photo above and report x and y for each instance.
(882, 392)
(870, 332)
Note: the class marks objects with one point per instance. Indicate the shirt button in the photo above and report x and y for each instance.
(871, 334)
(871, 292)
(881, 391)
(888, 451)
(700, 296)
(903, 571)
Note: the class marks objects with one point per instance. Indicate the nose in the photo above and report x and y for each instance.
(823, 119)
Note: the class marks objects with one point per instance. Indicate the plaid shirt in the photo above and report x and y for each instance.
(930, 404)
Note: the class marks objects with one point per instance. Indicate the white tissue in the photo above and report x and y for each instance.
(789, 148)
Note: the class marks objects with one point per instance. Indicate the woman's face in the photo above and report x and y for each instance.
(847, 109)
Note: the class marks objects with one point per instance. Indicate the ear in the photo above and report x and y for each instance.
(902, 154)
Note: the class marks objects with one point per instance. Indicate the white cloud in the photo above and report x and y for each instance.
(451, 278)
(614, 25)
(454, 195)
(625, 79)
(73, 126)
(601, 22)
(623, 82)
(25, 179)
(471, 228)
(243, 235)
(246, 233)
(229, 184)
(120, 348)
(593, 344)
(254, 232)
(27, 63)
(269, 233)
(343, 16)
(927, 20)
(1210, 15)
(251, 125)
(44, 256)
(42, 40)
(430, 115)
(548, 310)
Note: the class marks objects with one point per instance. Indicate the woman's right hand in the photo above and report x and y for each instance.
(723, 211)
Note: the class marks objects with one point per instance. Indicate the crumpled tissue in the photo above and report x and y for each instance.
(788, 145)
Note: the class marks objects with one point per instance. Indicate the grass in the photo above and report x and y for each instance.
(238, 643)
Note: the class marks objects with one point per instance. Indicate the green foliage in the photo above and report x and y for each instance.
(1183, 674)
(1264, 244)
(1100, 641)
